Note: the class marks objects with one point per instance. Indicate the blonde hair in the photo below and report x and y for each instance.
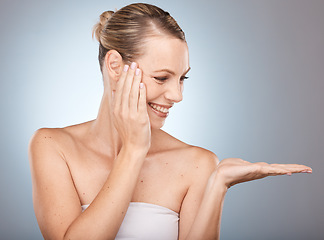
(128, 28)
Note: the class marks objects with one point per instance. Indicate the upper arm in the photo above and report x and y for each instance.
(204, 164)
(56, 202)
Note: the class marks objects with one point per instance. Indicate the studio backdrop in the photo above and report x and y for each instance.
(255, 92)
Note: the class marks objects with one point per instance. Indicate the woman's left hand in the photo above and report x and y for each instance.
(234, 170)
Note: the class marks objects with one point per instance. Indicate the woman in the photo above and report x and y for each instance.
(120, 176)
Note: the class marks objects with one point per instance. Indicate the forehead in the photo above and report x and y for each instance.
(165, 53)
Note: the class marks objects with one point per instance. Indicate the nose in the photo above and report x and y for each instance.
(174, 92)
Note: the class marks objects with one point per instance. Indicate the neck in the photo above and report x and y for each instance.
(103, 131)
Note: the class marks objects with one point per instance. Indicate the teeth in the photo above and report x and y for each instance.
(159, 108)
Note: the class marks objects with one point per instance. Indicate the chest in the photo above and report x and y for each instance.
(163, 179)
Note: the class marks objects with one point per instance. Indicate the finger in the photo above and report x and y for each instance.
(142, 108)
(127, 87)
(294, 167)
(281, 169)
(274, 171)
(134, 93)
(120, 86)
(266, 169)
(290, 165)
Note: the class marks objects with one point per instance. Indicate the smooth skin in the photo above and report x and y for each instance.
(123, 156)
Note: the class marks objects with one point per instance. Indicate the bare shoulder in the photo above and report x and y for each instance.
(203, 161)
(48, 134)
(53, 140)
(44, 138)
(199, 158)
(52, 182)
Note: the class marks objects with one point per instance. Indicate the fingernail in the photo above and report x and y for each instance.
(133, 65)
(137, 72)
(141, 85)
(126, 68)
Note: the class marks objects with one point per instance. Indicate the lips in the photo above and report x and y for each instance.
(159, 108)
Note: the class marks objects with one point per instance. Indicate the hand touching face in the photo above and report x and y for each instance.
(130, 110)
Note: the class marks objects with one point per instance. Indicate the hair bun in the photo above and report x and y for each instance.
(127, 29)
(97, 29)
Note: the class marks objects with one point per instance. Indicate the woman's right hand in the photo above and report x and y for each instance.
(130, 111)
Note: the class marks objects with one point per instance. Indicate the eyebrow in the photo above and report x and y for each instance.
(171, 72)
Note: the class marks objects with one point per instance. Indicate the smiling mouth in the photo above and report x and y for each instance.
(159, 108)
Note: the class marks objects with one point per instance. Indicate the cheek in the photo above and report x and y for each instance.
(150, 88)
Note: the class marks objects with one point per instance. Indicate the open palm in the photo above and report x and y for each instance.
(235, 170)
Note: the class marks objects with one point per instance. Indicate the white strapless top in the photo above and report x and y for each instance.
(145, 221)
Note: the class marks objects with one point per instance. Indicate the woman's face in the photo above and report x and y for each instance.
(164, 64)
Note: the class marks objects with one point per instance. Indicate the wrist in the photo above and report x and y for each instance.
(134, 150)
(219, 181)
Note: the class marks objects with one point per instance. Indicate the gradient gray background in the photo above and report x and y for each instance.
(255, 92)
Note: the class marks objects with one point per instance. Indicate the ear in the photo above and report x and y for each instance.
(114, 66)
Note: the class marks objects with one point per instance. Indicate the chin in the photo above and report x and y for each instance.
(156, 124)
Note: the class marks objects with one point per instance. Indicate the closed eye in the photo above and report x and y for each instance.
(161, 78)
(184, 78)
